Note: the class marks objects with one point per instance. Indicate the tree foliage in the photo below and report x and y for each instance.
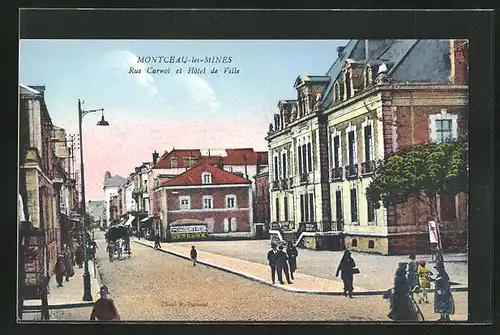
(421, 171)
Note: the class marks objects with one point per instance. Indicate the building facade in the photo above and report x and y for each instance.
(378, 97)
(97, 211)
(207, 193)
(111, 186)
(41, 172)
(244, 163)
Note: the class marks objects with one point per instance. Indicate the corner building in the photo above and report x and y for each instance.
(378, 97)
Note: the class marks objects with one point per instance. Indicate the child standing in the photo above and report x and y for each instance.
(194, 254)
(424, 275)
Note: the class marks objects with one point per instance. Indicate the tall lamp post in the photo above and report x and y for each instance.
(87, 295)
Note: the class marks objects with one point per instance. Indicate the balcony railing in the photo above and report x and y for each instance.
(284, 184)
(337, 173)
(303, 178)
(368, 167)
(351, 171)
(290, 182)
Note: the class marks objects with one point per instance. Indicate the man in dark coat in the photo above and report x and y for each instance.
(292, 254)
(271, 257)
(282, 265)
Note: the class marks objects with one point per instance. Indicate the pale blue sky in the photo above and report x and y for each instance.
(96, 71)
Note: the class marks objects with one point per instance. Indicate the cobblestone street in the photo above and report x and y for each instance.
(153, 285)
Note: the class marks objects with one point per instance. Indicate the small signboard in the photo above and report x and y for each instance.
(181, 232)
(433, 235)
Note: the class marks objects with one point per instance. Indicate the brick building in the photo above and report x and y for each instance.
(261, 198)
(378, 97)
(242, 162)
(207, 193)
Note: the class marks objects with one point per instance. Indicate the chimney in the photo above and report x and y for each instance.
(459, 59)
(155, 157)
(340, 51)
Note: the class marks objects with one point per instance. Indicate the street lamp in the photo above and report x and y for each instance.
(87, 295)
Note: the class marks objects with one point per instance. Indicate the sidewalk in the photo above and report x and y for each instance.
(303, 283)
(70, 295)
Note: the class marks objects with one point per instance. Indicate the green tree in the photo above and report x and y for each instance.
(421, 172)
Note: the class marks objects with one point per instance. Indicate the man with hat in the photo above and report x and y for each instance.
(282, 265)
(104, 308)
(271, 257)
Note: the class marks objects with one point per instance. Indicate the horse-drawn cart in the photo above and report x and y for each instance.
(118, 239)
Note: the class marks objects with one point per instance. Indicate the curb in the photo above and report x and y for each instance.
(31, 308)
(284, 288)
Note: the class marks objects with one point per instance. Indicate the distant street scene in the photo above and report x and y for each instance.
(173, 182)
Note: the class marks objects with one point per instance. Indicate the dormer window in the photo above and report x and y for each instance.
(206, 178)
(336, 90)
(173, 162)
(368, 76)
(348, 85)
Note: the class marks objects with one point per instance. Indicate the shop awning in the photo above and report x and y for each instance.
(129, 221)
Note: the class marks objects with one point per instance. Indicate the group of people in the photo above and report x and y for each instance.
(415, 278)
(69, 257)
(282, 262)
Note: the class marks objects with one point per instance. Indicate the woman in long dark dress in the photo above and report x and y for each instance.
(443, 299)
(292, 254)
(401, 304)
(347, 266)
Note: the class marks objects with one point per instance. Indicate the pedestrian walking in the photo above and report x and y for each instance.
(402, 307)
(271, 257)
(104, 308)
(292, 254)
(79, 256)
(157, 241)
(282, 265)
(69, 262)
(194, 255)
(443, 299)
(424, 276)
(60, 270)
(111, 250)
(411, 272)
(347, 267)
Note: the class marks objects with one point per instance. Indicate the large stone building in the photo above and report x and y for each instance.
(378, 97)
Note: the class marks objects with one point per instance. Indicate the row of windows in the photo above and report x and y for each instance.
(443, 126)
(207, 202)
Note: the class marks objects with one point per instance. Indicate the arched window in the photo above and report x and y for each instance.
(371, 244)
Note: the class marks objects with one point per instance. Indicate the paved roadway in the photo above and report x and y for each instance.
(152, 285)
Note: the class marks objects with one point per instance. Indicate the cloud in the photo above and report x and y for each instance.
(201, 94)
(123, 60)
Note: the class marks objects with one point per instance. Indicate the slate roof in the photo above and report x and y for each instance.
(192, 177)
(113, 181)
(408, 60)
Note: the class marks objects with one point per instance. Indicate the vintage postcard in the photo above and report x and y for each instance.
(248, 180)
